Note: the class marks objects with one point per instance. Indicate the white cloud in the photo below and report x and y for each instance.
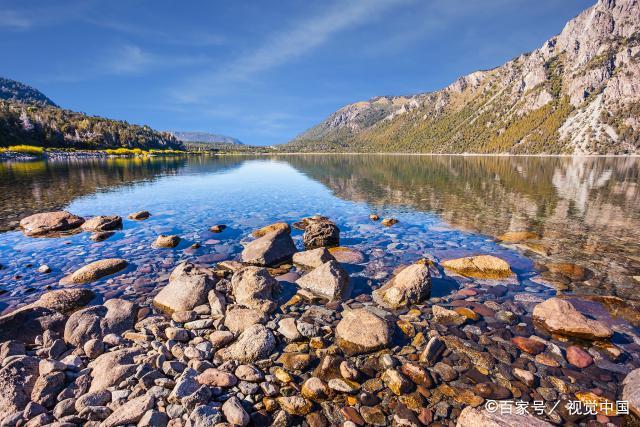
(127, 59)
(13, 20)
(286, 45)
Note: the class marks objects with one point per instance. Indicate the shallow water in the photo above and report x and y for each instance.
(585, 211)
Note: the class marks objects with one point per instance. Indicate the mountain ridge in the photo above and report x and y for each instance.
(13, 90)
(579, 93)
(205, 137)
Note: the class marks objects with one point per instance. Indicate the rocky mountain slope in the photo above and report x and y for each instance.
(27, 116)
(578, 93)
(205, 138)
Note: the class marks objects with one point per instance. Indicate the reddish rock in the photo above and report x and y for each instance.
(578, 357)
(528, 345)
(351, 414)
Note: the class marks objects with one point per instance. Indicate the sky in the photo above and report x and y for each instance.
(261, 71)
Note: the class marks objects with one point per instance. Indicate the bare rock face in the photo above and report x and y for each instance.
(115, 316)
(253, 287)
(410, 286)
(328, 281)
(362, 331)
(256, 342)
(474, 417)
(50, 223)
(270, 249)
(481, 266)
(97, 270)
(188, 287)
(560, 317)
(320, 233)
(312, 258)
(17, 379)
(102, 223)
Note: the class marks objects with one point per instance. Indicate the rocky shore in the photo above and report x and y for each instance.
(279, 337)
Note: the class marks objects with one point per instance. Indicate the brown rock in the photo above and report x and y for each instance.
(410, 286)
(163, 241)
(280, 227)
(272, 248)
(481, 266)
(561, 317)
(97, 270)
(312, 258)
(50, 223)
(102, 223)
(578, 357)
(362, 331)
(139, 216)
(529, 345)
(321, 233)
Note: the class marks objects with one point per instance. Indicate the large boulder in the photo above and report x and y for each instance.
(481, 267)
(560, 317)
(65, 300)
(320, 233)
(131, 412)
(410, 286)
(96, 270)
(102, 223)
(475, 417)
(25, 324)
(115, 316)
(328, 281)
(238, 318)
(188, 287)
(50, 223)
(362, 331)
(255, 343)
(631, 391)
(253, 287)
(270, 249)
(111, 368)
(312, 258)
(17, 379)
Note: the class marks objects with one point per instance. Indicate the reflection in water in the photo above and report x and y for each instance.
(586, 210)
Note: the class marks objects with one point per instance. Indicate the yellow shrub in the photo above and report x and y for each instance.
(25, 149)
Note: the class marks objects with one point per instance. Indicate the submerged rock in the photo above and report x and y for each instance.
(253, 287)
(320, 233)
(270, 249)
(163, 241)
(481, 266)
(280, 227)
(139, 216)
(328, 281)
(188, 287)
(389, 222)
(560, 317)
(410, 286)
(362, 331)
(517, 236)
(102, 223)
(97, 270)
(45, 223)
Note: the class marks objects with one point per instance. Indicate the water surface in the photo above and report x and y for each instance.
(583, 211)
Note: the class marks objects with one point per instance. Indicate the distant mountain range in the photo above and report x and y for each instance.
(578, 93)
(205, 137)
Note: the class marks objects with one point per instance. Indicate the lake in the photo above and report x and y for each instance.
(583, 215)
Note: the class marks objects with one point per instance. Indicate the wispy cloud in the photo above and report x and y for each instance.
(13, 20)
(127, 59)
(285, 45)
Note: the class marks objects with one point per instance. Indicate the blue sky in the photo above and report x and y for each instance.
(261, 71)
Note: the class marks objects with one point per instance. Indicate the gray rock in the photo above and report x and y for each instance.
(234, 412)
(362, 331)
(154, 418)
(115, 316)
(185, 385)
(328, 281)
(270, 249)
(47, 223)
(131, 412)
(91, 399)
(102, 223)
(410, 286)
(111, 368)
(25, 324)
(320, 233)
(312, 258)
(205, 416)
(474, 417)
(256, 342)
(631, 391)
(254, 288)
(238, 319)
(188, 287)
(17, 379)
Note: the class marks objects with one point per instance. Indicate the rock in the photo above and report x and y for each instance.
(93, 348)
(432, 351)
(445, 316)
(115, 316)
(26, 323)
(328, 281)
(362, 331)
(186, 385)
(410, 286)
(167, 241)
(270, 249)
(560, 317)
(238, 319)
(529, 345)
(102, 223)
(17, 379)
(154, 418)
(253, 287)
(218, 228)
(388, 222)
(474, 417)
(479, 359)
(287, 328)
(481, 266)
(101, 236)
(177, 334)
(205, 416)
(525, 376)
(131, 412)
(321, 233)
(97, 270)
(221, 338)
(295, 405)
(217, 302)
(49, 223)
(44, 269)
(188, 287)
(256, 342)
(235, 413)
(47, 387)
(578, 357)
(572, 271)
(139, 216)
(348, 370)
(65, 301)
(631, 391)
(517, 236)
(374, 217)
(280, 227)
(11, 348)
(213, 377)
(347, 255)
(111, 368)
(312, 258)
(295, 361)
(315, 389)
(396, 382)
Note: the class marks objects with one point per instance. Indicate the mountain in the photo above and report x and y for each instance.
(578, 93)
(12, 90)
(205, 137)
(27, 116)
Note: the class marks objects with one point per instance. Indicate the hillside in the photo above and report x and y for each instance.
(27, 116)
(578, 93)
(12, 90)
(205, 138)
